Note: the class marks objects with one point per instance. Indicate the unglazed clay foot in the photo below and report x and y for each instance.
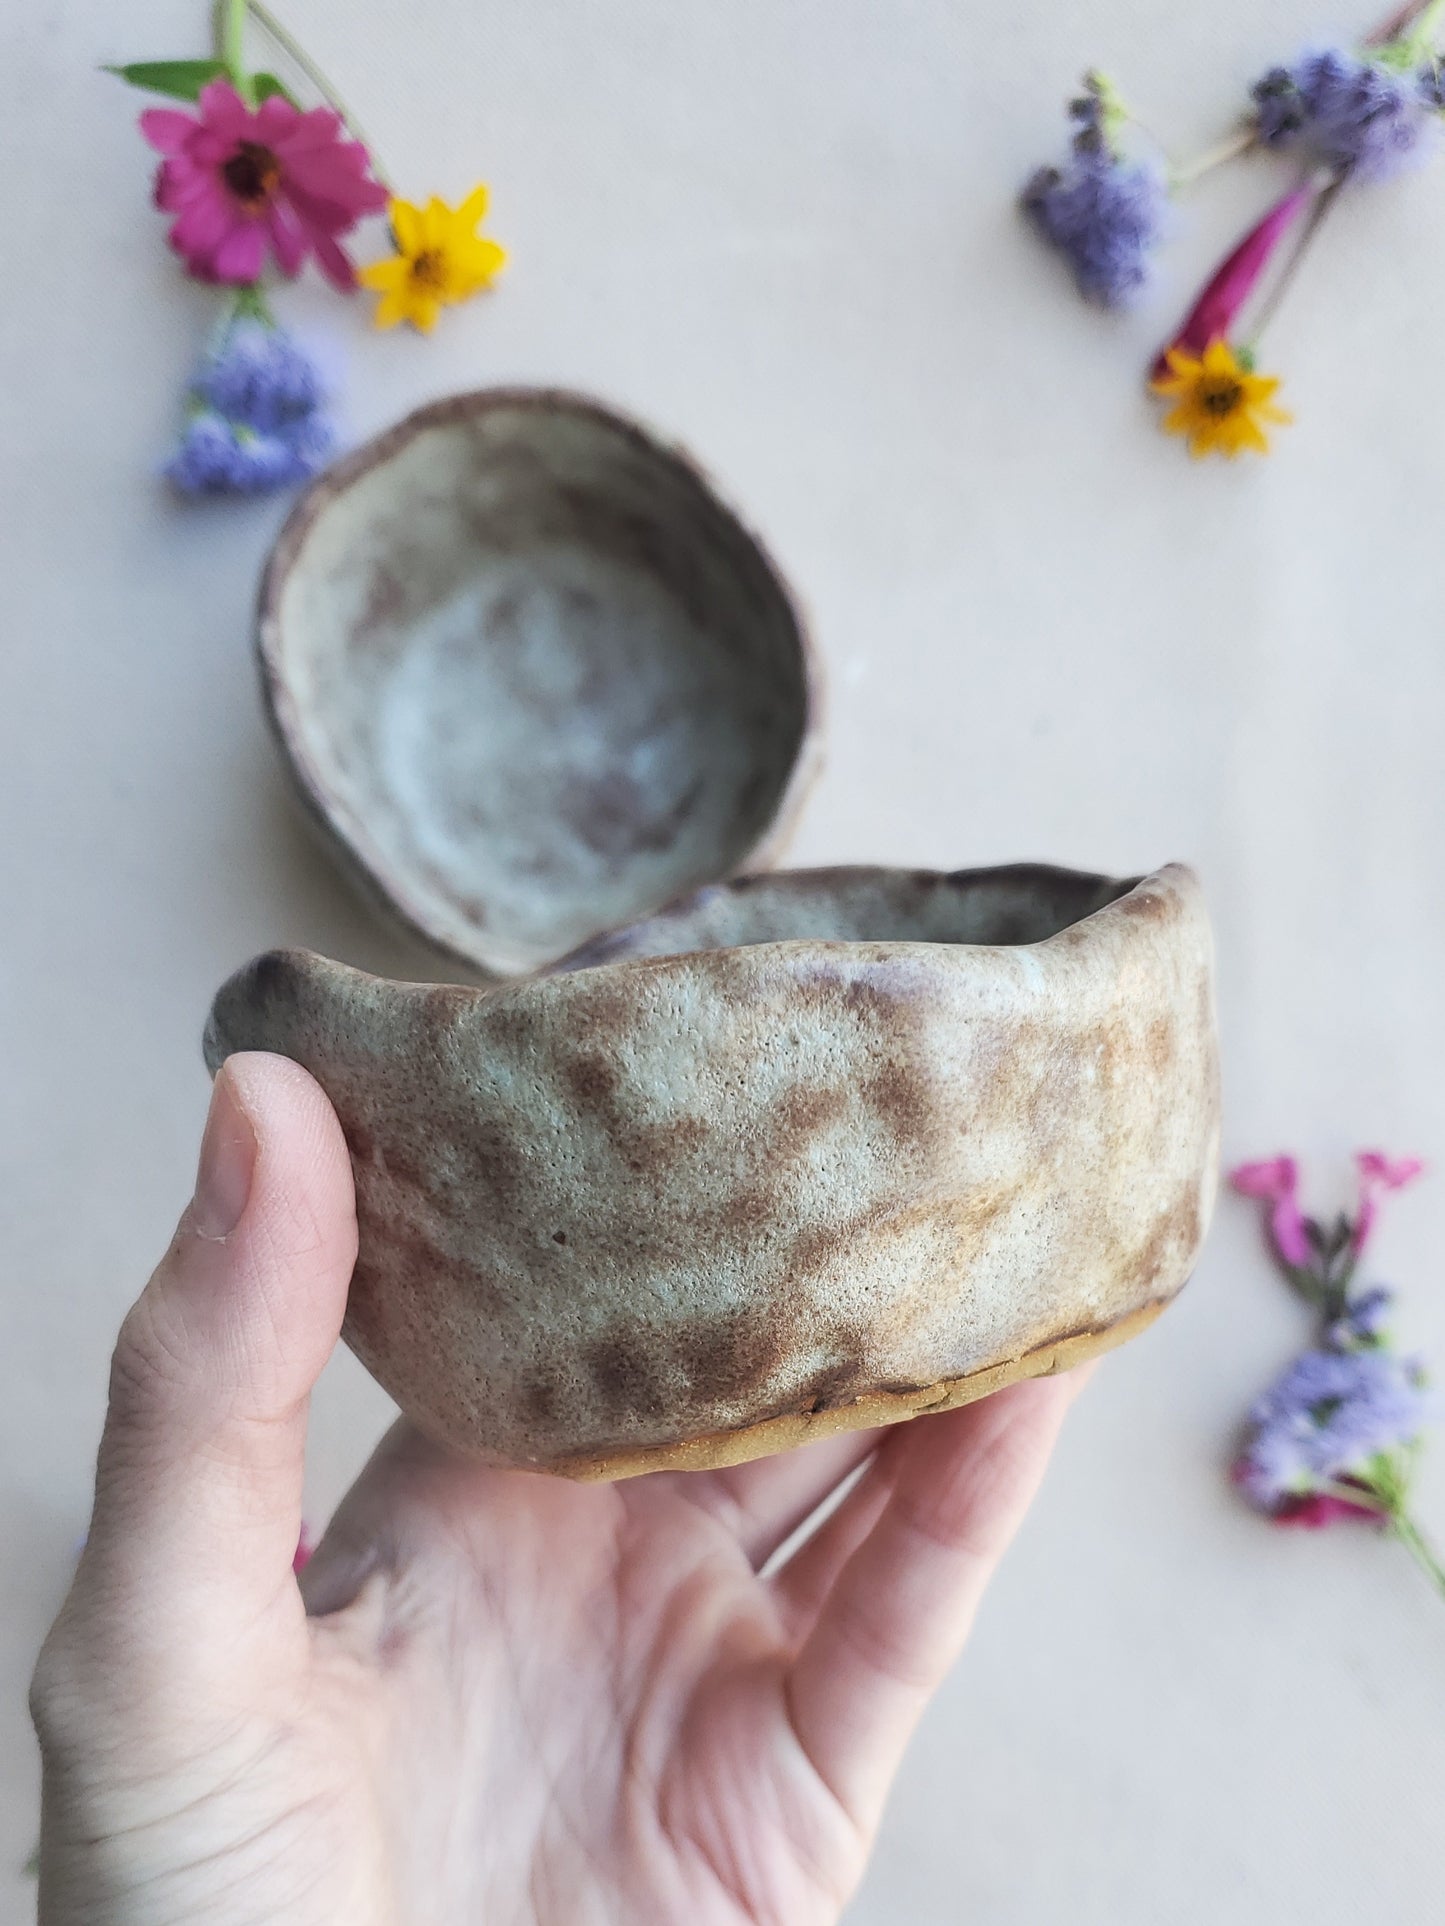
(807, 1152)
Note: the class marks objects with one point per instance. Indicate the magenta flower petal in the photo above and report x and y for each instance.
(323, 122)
(1391, 1173)
(324, 172)
(201, 227)
(1234, 280)
(165, 129)
(1271, 1177)
(1379, 1173)
(1321, 1509)
(175, 190)
(277, 120)
(223, 111)
(1291, 1239)
(352, 194)
(333, 263)
(171, 187)
(209, 149)
(240, 254)
(1276, 1180)
(287, 239)
(317, 211)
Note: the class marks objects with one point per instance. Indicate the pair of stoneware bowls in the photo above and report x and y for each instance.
(713, 1160)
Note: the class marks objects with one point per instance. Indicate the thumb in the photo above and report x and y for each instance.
(198, 1485)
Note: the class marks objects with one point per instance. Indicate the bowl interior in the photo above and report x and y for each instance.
(1016, 903)
(532, 672)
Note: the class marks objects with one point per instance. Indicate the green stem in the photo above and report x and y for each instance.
(251, 302)
(1418, 1546)
(231, 45)
(294, 51)
(1392, 29)
(1346, 1276)
(1420, 39)
(1227, 150)
(248, 302)
(1358, 1496)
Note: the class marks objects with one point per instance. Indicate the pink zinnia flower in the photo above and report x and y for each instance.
(1233, 281)
(1276, 1180)
(1378, 1173)
(245, 181)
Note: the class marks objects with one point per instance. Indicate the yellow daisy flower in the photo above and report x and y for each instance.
(440, 259)
(1220, 403)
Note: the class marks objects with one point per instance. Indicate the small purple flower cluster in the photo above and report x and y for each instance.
(258, 418)
(1103, 212)
(1335, 1436)
(1364, 1320)
(1329, 1416)
(1339, 115)
(1350, 113)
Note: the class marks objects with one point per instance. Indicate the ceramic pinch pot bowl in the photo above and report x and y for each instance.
(532, 675)
(807, 1152)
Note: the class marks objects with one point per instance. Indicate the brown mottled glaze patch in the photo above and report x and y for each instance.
(886, 1405)
(808, 1151)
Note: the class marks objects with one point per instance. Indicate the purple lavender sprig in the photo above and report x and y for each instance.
(257, 418)
(1102, 211)
(1359, 114)
(1337, 1434)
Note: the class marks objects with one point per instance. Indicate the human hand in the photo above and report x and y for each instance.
(493, 1695)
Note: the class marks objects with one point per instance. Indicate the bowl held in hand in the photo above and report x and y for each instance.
(808, 1151)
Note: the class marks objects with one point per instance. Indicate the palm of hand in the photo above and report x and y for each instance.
(580, 1697)
(504, 1697)
(562, 1703)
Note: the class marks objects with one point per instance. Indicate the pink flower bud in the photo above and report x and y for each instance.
(1233, 281)
(1379, 1173)
(1320, 1509)
(1276, 1180)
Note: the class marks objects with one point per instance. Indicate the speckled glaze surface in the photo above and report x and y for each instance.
(903, 1137)
(532, 675)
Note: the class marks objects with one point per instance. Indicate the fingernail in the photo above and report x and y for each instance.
(227, 1164)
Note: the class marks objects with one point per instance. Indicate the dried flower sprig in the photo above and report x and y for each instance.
(1350, 117)
(255, 184)
(1221, 404)
(1337, 1434)
(257, 416)
(1345, 116)
(1104, 210)
(1369, 112)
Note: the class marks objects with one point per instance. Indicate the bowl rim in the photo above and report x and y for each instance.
(608, 949)
(381, 882)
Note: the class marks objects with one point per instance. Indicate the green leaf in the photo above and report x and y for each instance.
(181, 79)
(265, 85)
